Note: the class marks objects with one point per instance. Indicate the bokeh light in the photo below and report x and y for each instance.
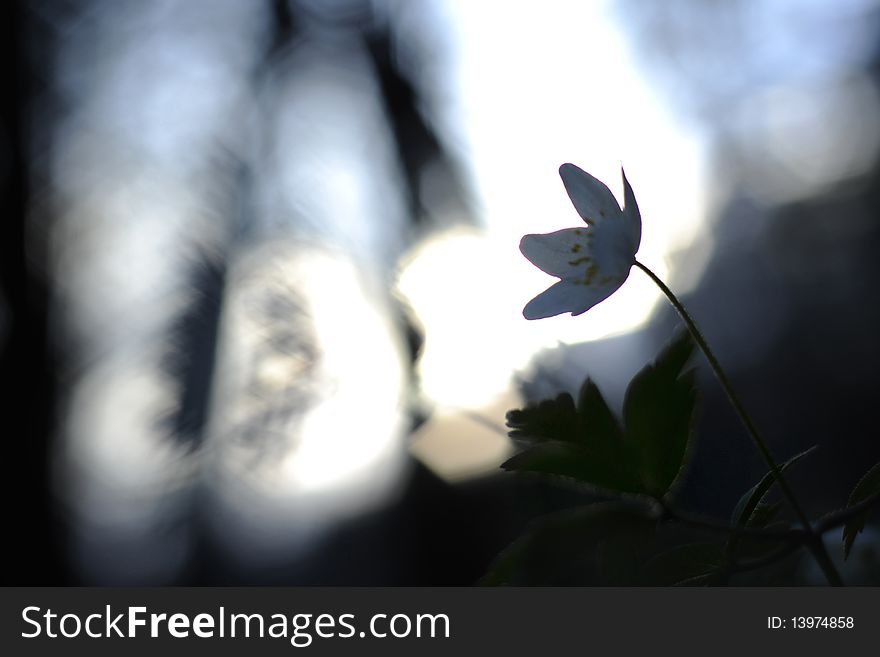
(277, 248)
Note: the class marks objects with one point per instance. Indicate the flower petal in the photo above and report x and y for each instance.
(569, 296)
(591, 197)
(563, 254)
(631, 216)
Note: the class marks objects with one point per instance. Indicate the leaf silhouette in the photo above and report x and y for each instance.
(747, 508)
(753, 511)
(583, 443)
(868, 485)
(594, 544)
(658, 412)
(551, 419)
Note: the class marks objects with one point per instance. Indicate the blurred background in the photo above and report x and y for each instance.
(260, 314)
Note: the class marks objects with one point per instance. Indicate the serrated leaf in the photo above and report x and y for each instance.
(578, 463)
(752, 498)
(658, 412)
(692, 564)
(583, 443)
(551, 419)
(764, 514)
(752, 511)
(868, 485)
(605, 443)
(562, 548)
(597, 419)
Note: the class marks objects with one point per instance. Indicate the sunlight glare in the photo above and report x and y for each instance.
(572, 95)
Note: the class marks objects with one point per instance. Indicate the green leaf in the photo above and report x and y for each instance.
(692, 564)
(599, 422)
(868, 485)
(578, 463)
(751, 500)
(658, 413)
(551, 419)
(583, 443)
(753, 511)
(764, 514)
(620, 555)
(572, 547)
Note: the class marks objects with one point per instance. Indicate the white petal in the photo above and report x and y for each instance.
(631, 217)
(591, 197)
(568, 296)
(611, 251)
(563, 254)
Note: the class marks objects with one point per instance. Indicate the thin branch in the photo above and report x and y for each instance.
(840, 518)
(796, 535)
(817, 547)
(791, 535)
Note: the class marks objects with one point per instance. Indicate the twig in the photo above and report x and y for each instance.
(839, 518)
(793, 535)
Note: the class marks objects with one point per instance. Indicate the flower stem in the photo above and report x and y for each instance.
(817, 547)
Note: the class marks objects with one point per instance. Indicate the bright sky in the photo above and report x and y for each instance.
(535, 88)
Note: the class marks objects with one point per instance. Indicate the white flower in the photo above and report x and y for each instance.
(592, 261)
